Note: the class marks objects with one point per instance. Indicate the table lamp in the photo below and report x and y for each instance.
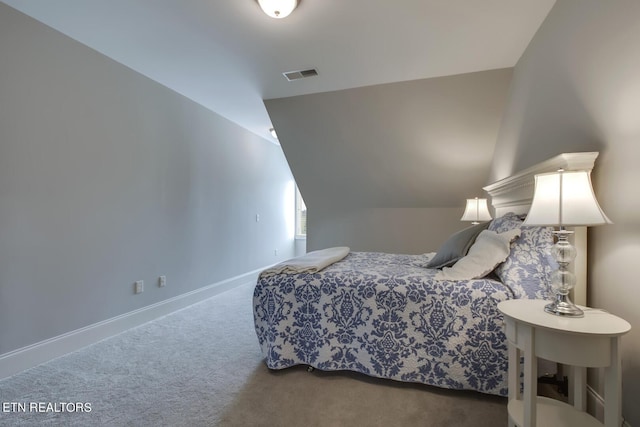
(476, 211)
(564, 199)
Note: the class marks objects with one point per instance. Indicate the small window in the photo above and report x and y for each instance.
(301, 216)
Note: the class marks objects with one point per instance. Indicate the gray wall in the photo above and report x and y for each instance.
(376, 165)
(577, 88)
(107, 177)
(391, 230)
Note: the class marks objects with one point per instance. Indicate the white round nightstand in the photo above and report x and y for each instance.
(589, 341)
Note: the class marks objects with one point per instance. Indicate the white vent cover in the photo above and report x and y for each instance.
(300, 74)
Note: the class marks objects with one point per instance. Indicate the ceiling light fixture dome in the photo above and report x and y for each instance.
(278, 8)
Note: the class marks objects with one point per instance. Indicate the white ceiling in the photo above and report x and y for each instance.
(229, 56)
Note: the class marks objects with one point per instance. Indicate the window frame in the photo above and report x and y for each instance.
(300, 216)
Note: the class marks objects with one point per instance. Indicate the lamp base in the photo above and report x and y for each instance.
(562, 306)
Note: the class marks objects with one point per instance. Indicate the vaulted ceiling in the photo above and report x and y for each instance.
(229, 56)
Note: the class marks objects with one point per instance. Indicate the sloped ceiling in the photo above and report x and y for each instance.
(229, 56)
(422, 143)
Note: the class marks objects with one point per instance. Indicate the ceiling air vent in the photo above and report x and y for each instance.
(300, 74)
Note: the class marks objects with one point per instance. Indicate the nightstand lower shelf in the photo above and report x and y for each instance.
(550, 412)
(578, 342)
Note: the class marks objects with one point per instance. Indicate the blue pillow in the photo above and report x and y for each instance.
(527, 269)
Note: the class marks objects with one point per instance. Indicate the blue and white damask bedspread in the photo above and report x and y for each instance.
(384, 315)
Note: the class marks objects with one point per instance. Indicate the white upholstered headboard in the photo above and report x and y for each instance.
(515, 193)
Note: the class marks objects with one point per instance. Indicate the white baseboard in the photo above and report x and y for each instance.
(595, 403)
(27, 357)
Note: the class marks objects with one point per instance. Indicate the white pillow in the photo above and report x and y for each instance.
(489, 250)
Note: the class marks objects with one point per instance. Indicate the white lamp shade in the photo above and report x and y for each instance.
(278, 8)
(476, 210)
(565, 198)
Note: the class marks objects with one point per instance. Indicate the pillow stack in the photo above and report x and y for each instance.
(488, 250)
(518, 255)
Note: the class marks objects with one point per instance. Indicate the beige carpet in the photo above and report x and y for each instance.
(295, 397)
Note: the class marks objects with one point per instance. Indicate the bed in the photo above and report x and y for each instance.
(413, 318)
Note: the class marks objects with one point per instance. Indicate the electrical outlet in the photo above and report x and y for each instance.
(162, 281)
(139, 287)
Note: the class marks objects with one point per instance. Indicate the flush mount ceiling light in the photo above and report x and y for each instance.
(278, 8)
